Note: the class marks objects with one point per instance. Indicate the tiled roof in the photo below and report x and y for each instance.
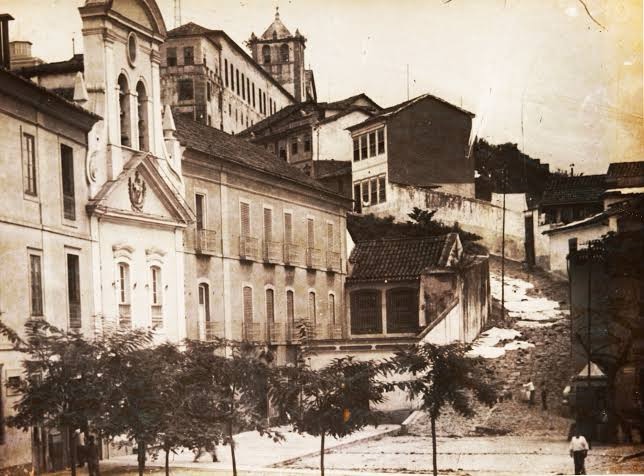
(211, 141)
(393, 110)
(399, 259)
(564, 190)
(344, 105)
(189, 29)
(626, 169)
(72, 65)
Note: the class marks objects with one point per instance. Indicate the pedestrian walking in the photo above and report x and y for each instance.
(530, 391)
(578, 451)
(544, 396)
(91, 453)
(208, 448)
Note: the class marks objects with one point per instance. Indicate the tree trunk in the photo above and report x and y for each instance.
(141, 457)
(322, 455)
(167, 461)
(232, 447)
(72, 450)
(435, 465)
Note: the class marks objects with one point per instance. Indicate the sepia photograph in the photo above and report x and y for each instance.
(321, 237)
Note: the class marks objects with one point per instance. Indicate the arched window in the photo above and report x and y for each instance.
(204, 310)
(123, 291)
(366, 312)
(402, 310)
(312, 308)
(266, 54)
(142, 106)
(284, 53)
(124, 111)
(331, 308)
(156, 302)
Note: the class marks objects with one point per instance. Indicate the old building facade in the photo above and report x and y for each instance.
(267, 247)
(211, 79)
(45, 232)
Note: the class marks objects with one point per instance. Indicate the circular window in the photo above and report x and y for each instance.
(131, 48)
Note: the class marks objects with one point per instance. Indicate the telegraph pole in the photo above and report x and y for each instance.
(503, 247)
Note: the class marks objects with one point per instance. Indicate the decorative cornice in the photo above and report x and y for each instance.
(122, 250)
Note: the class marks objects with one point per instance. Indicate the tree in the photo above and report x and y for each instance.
(226, 393)
(333, 401)
(139, 399)
(441, 375)
(61, 384)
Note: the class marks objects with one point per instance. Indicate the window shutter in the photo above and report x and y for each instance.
(244, 210)
(288, 228)
(199, 206)
(270, 307)
(268, 225)
(36, 286)
(312, 307)
(248, 304)
(329, 237)
(332, 308)
(290, 307)
(310, 232)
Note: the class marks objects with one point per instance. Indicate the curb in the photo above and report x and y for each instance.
(285, 462)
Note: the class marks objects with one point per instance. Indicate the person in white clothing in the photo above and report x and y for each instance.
(579, 451)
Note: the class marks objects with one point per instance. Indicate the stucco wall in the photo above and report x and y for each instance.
(473, 215)
(331, 140)
(559, 244)
(447, 329)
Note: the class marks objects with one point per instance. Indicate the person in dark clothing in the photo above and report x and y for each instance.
(91, 453)
(544, 396)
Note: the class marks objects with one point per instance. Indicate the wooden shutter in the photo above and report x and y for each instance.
(36, 286)
(268, 225)
(290, 307)
(270, 306)
(244, 212)
(73, 291)
(312, 310)
(248, 304)
(288, 228)
(199, 208)
(332, 308)
(329, 237)
(310, 232)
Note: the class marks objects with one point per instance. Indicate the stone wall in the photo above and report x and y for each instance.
(473, 215)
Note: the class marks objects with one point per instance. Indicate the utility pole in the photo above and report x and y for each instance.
(177, 13)
(503, 247)
(407, 81)
(588, 324)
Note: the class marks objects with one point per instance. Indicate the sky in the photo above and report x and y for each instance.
(539, 73)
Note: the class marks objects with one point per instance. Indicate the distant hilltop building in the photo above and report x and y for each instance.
(281, 54)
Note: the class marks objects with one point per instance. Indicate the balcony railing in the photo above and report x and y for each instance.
(69, 207)
(313, 258)
(213, 329)
(75, 315)
(279, 332)
(272, 251)
(333, 261)
(254, 331)
(125, 316)
(157, 315)
(293, 254)
(248, 247)
(205, 241)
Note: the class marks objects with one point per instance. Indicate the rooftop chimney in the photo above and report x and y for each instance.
(5, 56)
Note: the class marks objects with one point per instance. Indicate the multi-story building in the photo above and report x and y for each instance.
(423, 142)
(45, 235)
(311, 135)
(211, 79)
(267, 247)
(281, 54)
(100, 219)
